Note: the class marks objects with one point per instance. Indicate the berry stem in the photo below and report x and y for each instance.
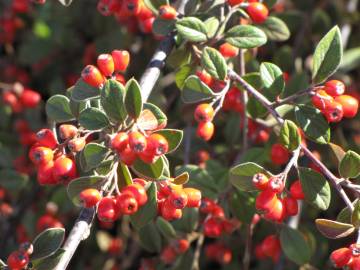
(199, 244)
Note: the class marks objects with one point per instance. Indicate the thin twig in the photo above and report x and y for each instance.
(199, 244)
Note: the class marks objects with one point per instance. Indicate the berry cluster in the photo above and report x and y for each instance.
(269, 248)
(172, 199)
(332, 102)
(204, 114)
(175, 248)
(219, 253)
(134, 144)
(271, 200)
(108, 66)
(20, 98)
(53, 165)
(257, 11)
(19, 259)
(215, 223)
(347, 257)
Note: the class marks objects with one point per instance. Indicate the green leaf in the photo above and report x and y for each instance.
(165, 227)
(150, 238)
(133, 99)
(241, 175)
(148, 211)
(94, 154)
(48, 262)
(195, 90)
(273, 80)
(155, 4)
(338, 151)
(182, 74)
(189, 220)
(350, 165)
(180, 58)
(294, 245)
(334, 229)
(77, 185)
(289, 135)
(163, 27)
(242, 206)
(312, 122)
(152, 171)
(246, 37)
(351, 60)
(82, 91)
(355, 216)
(212, 25)
(112, 100)
(327, 56)
(214, 63)
(275, 29)
(124, 175)
(315, 187)
(173, 136)
(345, 214)
(93, 119)
(47, 243)
(12, 180)
(192, 29)
(58, 109)
(151, 118)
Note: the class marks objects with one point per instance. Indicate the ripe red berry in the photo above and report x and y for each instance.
(90, 197)
(212, 227)
(157, 144)
(48, 221)
(206, 205)
(127, 156)
(334, 88)
(354, 263)
(92, 76)
(9, 98)
(139, 181)
(296, 190)
(260, 181)
(205, 77)
(64, 169)
(115, 246)
(178, 199)
(126, 203)
(138, 191)
(278, 212)
(180, 245)
(146, 25)
(349, 104)
(258, 12)
(168, 255)
(40, 155)
(120, 141)
(205, 130)
(217, 211)
(259, 253)
(121, 59)
(148, 156)
(276, 184)
(169, 212)
(271, 246)
(234, 2)
(194, 197)
(167, 12)
(137, 142)
(341, 257)
(279, 154)
(45, 137)
(17, 260)
(105, 64)
(107, 209)
(333, 112)
(291, 206)
(45, 174)
(29, 98)
(321, 99)
(76, 144)
(67, 131)
(228, 50)
(204, 113)
(265, 200)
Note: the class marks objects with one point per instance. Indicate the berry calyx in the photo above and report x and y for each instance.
(157, 144)
(260, 181)
(204, 113)
(137, 142)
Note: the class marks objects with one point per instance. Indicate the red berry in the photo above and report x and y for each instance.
(271, 245)
(258, 12)
(90, 197)
(120, 141)
(146, 25)
(205, 77)
(354, 264)
(92, 76)
(76, 144)
(296, 190)
(334, 88)
(116, 246)
(126, 203)
(17, 260)
(228, 50)
(321, 99)
(206, 205)
(276, 184)
(64, 169)
(157, 144)
(349, 104)
(45, 137)
(137, 142)
(212, 227)
(121, 59)
(204, 113)
(265, 201)
(107, 209)
(234, 2)
(333, 112)
(178, 199)
(291, 206)
(139, 181)
(45, 175)
(30, 98)
(167, 12)
(194, 197)
(138, 191)
(40, 155)
(279, 154)
(168, 255)
(277, 212)
(169, 212)
(260, 181)
(205, 130)
(67, 131)
(105, 64)
(148, 156)
(127, 156)
(180, 245)
(341, 257)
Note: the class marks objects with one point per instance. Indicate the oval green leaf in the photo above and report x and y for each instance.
(246, 37)
(93, 119)
(58, 109)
